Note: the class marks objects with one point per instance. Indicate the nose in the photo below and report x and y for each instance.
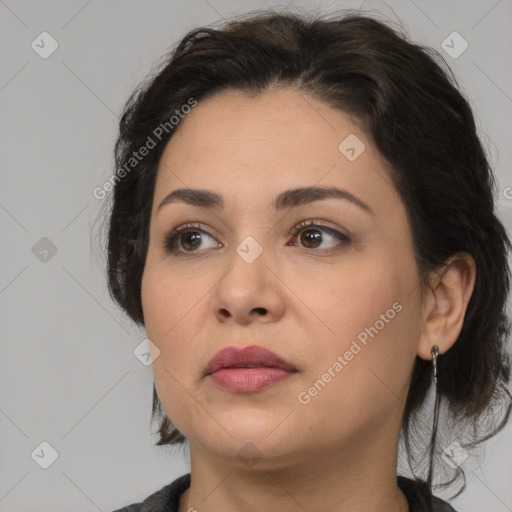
(248, 292)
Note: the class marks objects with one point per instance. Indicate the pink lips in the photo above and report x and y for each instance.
(248, 369)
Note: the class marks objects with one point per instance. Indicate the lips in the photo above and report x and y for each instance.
(247, 357)
(247, 370)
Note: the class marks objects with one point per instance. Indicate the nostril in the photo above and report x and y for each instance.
(263, 311)
(224, 312)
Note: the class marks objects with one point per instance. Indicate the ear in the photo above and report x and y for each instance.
(445, 304)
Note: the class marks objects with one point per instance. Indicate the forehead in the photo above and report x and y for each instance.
(248, 146)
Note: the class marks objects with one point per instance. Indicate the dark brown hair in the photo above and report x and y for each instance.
(407, 101)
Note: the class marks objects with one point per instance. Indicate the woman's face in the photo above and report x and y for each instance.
(338, 300)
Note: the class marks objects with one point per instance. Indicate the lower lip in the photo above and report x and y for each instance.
(249, 380)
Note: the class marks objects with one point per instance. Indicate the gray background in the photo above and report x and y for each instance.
(68, 375)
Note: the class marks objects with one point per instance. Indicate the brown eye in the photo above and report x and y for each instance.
(312, 235)
(311, 238)
(187, 239)
(190, 240)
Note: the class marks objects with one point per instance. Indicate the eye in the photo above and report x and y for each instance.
(187, 238)
(310, 235)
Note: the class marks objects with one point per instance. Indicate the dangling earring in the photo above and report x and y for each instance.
(435, 353)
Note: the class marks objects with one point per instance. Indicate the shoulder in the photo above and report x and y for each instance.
(164, 500)
(420, 498)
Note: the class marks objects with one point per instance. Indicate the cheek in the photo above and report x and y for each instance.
(165, 308)
(167, 299)
(156, 303)
(371, 309)
(174, 305)
(353, 295)
(362, 379)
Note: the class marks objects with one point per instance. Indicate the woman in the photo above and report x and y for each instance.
(303, 221)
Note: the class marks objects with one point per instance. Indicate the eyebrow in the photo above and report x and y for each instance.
(287, 199)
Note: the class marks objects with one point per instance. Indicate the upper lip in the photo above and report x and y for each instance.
(243, 357)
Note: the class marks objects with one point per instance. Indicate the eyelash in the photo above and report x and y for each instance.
(173, 236)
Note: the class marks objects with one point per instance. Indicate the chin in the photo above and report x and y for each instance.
(251, 442)
(256, 424)
(252, 454)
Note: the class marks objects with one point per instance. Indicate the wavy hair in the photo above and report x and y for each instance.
(407, 101)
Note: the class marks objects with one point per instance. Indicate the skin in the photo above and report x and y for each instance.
(305, 302)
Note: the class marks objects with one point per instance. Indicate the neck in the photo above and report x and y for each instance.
(362, 478)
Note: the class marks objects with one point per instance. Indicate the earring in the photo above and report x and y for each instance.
(435, 353)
